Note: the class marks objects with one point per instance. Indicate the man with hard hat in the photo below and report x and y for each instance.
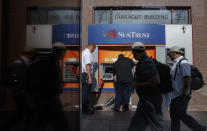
(45, 80)
(146, 82)
(181, 95)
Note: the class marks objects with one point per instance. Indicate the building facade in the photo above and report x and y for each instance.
(22, 13)
(115, 12)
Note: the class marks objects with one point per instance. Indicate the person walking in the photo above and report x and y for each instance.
(149, 111)
(181, 95)
(17, 80)
(45, 83)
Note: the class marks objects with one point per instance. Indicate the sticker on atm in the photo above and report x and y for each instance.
(71, 59)
(110, 59)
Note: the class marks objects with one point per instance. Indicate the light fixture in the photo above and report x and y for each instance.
(184, 29)
(34, 29)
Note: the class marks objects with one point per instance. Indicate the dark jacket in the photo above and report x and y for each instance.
(43, 77)
(18, 74)
(123, 70)
(145, 70)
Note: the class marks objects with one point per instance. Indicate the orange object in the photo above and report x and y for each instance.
(71, 55)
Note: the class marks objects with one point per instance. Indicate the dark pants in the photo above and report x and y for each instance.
(86, 89)
(23, 110)
(178, 111)
(146, 115)
(122, 96)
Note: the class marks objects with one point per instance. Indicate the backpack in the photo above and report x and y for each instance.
(17, 74)
(165, 77)
(197, 81)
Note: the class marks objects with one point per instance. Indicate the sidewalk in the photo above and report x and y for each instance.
(119, 121)
(107, 120)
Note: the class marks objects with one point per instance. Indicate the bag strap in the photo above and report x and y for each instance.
(177, 67)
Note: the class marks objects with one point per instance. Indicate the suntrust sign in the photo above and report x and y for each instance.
(66, 33)
(133, 35)
(126, 33)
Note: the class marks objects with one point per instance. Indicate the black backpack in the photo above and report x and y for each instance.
(165, 77)
(197, 81)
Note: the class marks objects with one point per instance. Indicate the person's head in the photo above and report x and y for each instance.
(91, 47)
(175, 52)
(59, 49)
(30, 53)
(120, 56)
(138, 50)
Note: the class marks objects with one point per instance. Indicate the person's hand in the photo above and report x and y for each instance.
(185, 94)
(89, 80)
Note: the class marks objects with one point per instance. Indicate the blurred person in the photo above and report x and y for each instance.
(17, 80)
(45, 80)
(123, 77)
(146, 80)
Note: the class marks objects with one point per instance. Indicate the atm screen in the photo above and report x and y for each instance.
(108, 70)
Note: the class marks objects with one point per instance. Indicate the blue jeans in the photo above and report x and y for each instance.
(146, 115)
(178, 111)
(86, 89)
(122, 96)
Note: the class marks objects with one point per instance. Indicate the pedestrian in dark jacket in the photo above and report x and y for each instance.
(146, 82)
(17, 80)
(45, 81)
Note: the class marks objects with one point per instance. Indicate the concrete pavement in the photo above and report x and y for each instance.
(119, 121)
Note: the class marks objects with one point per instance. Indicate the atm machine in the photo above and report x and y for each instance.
(70, 69)
(43, 36)
(106, 56)
(106, 71)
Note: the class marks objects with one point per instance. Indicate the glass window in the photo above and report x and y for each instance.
(102, 17)
(180, 16)
(38, 16)
(141, 17)
(53, 16)
(63, 17)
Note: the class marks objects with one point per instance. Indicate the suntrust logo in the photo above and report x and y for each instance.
(133, 35)
(110, 34)
(116, 34)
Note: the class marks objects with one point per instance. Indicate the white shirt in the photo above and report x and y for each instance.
(87, 58)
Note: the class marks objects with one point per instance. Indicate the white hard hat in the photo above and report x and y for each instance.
(175, 49)
(59, 45)
(139, 46)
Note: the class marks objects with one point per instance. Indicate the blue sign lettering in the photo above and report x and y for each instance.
(66, 33)
(126, 33)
